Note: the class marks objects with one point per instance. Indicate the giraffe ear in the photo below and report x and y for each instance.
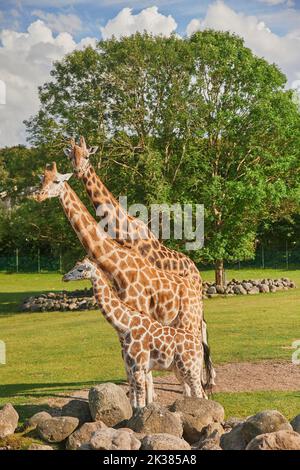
(67, 152)
(93, 150)
(82, 143)
(60, 178)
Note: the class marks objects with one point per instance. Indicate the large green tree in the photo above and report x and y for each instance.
(199, 120)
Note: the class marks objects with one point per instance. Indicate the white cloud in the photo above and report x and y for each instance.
(149, 19)
(60, 22)
(25, 63)
(283, 50)
(289, 3)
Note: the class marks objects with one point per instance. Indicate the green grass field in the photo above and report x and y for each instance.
(48, 353)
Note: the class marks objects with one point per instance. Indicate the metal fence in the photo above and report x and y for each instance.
(265, 257)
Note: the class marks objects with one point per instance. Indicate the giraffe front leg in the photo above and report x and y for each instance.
(139, 379)
(150, 389)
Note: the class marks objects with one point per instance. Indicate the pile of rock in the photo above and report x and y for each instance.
(106, 422)
(60, 301)
(247, 287)
(84, 299)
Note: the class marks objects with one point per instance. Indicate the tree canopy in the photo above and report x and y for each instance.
(200, 120)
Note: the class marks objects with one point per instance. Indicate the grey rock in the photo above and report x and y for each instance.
(196, 414)
(77, 409)
(36, 419)
(264, 422)
(83, 435)
(114, 439)
(253, 291)
(57, 429)
(233, 440)
(156, 419)
(39, 447)
(163, 441)
(211, 290)
(295, 423)
(279, 440)
(109, 403)
(239, 290)
(8, 420)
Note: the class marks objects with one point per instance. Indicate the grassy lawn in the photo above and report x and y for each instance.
(48, 353)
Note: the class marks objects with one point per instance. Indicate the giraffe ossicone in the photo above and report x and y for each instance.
(147, 345)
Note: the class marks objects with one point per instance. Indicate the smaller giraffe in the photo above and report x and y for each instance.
(147, 345)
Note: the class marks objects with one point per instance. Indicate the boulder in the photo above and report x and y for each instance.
(77, 409)
(232, 422)
(239, 290)
(163, 441)
(210, 444)
(155, 419)
(83, 435)
(254, 290)
(39, 447)
(36, 419)
(295, 423)
(57, 429)
(264, 288)
(109, 403)
(209, 434)
(211, 290)
(9, 419)
(196, 414)
(114, 439)
(264, 422)
(279, 440)
(234, 439)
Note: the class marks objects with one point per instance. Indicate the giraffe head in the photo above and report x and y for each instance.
(51, 183)
(79, 156)
(84, 269)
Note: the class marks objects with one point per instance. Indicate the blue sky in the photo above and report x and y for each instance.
(35, 33)
(95, 13)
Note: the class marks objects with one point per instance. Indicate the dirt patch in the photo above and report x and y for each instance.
(233, 377)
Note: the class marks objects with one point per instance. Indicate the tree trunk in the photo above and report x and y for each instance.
(219, 273)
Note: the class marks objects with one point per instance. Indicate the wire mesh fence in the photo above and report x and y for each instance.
(265, 257)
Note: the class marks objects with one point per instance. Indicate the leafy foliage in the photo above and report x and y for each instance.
(199, 120)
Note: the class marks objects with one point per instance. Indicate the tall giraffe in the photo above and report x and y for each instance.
(167, 298)
(131, 232)
(146, 344)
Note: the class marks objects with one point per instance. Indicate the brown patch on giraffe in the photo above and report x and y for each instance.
(134, 348)
(135, 321)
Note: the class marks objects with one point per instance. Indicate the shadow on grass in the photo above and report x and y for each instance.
(40, 390)
(10, 302)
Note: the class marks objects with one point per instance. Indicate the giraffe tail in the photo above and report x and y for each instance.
(209, 369)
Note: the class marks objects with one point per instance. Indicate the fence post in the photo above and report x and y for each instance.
(17, 260)
(39, 260)
(262, 256)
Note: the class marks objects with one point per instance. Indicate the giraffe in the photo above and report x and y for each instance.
(130, 231)
(147, 345)
(167, 298)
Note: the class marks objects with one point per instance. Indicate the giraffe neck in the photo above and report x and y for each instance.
(99, 194)
(93, 238)
(126, 229)
(115, 312)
